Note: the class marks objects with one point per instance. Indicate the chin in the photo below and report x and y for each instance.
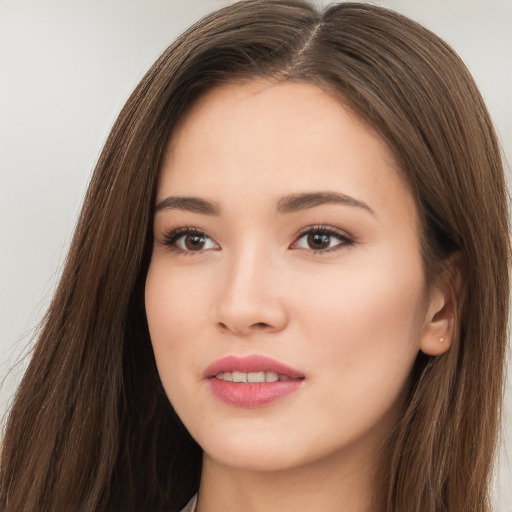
(257, 459)
(264, 452)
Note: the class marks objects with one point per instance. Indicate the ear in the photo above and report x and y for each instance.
(444, 304)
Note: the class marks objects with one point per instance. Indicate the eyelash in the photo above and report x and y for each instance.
(173, 236)
(345, 239)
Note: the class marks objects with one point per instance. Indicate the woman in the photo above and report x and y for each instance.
(297, 236)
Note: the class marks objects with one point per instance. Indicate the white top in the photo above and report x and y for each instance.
(191, 505)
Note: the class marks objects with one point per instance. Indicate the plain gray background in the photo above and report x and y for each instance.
(67, 67)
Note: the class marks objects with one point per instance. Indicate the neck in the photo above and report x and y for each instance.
(340, 482)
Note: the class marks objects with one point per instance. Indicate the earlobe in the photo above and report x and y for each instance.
(439, 330)
(442, 319)
(437, 336)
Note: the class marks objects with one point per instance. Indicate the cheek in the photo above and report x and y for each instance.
(174, 302)
(367, 325)
(174, 297)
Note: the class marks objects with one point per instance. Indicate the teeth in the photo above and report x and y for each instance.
(256, 377)
(251, 377)
(239, 377)
(271, 377)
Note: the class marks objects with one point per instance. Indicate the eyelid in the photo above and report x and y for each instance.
(172, 235)
(346, 238)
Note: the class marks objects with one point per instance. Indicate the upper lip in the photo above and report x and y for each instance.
(248, 364)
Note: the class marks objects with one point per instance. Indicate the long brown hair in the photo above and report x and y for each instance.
(91, 428)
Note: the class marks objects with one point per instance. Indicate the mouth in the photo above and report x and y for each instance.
(251, 377)
(247, 368)
(252, 381)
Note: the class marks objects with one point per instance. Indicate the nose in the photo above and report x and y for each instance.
(252, 298)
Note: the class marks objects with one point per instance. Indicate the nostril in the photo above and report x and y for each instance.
(261, 325)
(253, 327)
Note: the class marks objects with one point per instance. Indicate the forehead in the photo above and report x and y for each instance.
(275, 138)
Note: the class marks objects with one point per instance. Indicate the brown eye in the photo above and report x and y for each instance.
(318, 241)
(194, 242)
(189, 241)
(322, 239)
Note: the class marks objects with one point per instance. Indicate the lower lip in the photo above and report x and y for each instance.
(251, 395)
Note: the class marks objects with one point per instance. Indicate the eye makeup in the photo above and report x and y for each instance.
(318, 238)
(189, 241)
(315, 239)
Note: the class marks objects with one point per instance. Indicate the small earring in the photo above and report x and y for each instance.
(441, 340)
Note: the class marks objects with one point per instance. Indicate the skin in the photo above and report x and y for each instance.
(351, 318)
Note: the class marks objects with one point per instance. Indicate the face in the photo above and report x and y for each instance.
(286, 251)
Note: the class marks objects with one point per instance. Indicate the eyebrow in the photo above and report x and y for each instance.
(287, 204)
(297, 202)
(190, 204)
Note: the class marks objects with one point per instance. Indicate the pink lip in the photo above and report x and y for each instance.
(253, 363)
(250, 395)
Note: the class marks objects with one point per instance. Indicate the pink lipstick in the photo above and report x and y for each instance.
(251, 381)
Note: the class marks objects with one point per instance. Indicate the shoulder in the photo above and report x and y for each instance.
(191, 505)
